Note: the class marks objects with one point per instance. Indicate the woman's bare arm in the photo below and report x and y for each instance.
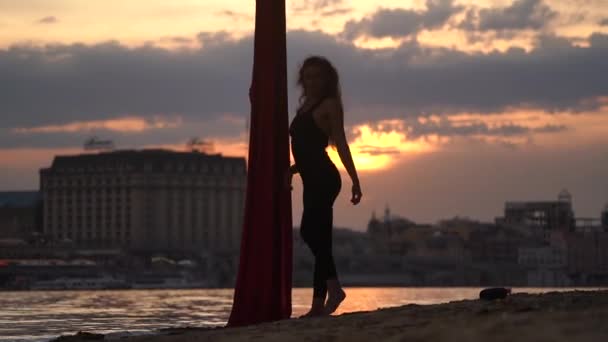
(336, 124)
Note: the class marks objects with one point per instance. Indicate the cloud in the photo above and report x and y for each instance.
(604, 22)
(420, 79)
(336, 12)
(61, 84)
(300, 6)
(550, 43)
(74, 83)
(375, 150)
(448, 126)
(177, 40)
(521, 15)
(48, 20)
(379, 145)
(550, 128)
(235, 15)
(599, 40)
(211, 39)
(401, 23)
(127, 132)
(127, 124)
(324, 8)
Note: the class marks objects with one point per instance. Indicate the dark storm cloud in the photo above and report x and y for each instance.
(521, 15)
(48, 20)
(59, 84)
(399, 22)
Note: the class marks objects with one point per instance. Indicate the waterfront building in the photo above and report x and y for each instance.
(145, 200)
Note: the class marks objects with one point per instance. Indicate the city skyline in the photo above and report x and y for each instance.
(452, 107)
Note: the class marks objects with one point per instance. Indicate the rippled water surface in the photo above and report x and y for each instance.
(40, 315)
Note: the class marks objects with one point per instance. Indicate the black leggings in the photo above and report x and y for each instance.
(316, 226)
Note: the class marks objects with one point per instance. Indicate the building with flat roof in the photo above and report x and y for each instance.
(541, 217)
(145, 200)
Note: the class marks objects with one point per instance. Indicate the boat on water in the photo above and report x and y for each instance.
(93, 283)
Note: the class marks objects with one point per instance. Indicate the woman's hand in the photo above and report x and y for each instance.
(356, 193)
(289, 177)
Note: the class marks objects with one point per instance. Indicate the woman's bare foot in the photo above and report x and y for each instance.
(334, 300)
(314, 312)
(317, 308)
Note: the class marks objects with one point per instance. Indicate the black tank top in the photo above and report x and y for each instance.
(308, 143)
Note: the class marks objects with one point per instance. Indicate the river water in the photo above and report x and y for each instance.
(43, 315)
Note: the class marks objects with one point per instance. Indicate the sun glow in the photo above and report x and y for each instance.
(376, 149)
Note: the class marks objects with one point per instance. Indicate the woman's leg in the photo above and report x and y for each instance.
(336, 294)
(320, 236)
(316, 230)
(311, 238)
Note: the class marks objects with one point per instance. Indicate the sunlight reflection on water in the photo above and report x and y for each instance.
(40, 316)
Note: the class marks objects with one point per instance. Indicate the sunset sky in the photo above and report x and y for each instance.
(452, 107)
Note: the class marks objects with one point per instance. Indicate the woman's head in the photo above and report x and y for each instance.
(318, 78)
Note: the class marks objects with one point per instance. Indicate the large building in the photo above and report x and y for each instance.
(146, 200)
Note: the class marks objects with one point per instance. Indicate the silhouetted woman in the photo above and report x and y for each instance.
(320, 119)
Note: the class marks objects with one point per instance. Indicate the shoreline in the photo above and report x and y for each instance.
(371, 286)
(551, 316)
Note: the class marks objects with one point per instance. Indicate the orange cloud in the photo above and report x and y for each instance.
(126, 124)
(380, 145)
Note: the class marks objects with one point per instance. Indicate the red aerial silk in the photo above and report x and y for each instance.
(263, 285)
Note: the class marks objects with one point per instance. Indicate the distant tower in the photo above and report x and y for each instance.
(387, 214)
(566, 213)
(564, 196)
(373, 225)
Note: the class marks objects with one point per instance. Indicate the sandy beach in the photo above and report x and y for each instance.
(553, 316)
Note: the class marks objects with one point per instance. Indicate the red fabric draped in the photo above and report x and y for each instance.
(263, 286)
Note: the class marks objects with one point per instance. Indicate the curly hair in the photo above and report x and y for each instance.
(332, 86)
